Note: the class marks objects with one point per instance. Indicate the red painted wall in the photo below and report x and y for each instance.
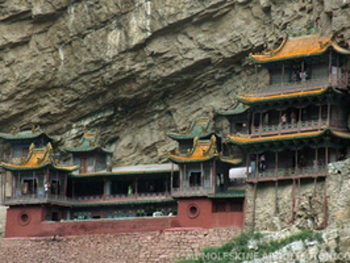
(206, 218)
(38, 227)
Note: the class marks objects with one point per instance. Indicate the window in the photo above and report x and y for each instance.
(236, 206)
(195, 179)
(29, 186)
(219, 207)
(55, 186)
(229, 205)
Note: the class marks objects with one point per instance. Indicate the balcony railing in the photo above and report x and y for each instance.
(35, 199)
(289, 127)
(282, 173)
(191, 191)
(306, 85)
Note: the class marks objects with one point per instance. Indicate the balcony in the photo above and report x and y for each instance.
(301, 126)
(35, 199)
(288, 174)
(191, 191)
(306, 85)
(63, 200)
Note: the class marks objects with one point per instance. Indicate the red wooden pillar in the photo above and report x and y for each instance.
(257, 165)
(202, 176)
(282, 75)
(260, 125)
(181, 171)
(319, 117)
(172, 176)
(330, 67)
(328, 114)
(34, 183)
(136, 193)
(248, 122)
(57, 183)
(300, 115)
(65, 185)
(214, 175)
(253, 119)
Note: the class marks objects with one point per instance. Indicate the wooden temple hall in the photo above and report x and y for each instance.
(300, 122)
(289, 129)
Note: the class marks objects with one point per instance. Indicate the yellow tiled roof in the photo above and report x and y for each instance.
(281, 96)
(37, 158)
(299, 46)
(202, 150)
(245, 139)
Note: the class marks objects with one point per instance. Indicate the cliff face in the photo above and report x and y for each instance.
(137, 68)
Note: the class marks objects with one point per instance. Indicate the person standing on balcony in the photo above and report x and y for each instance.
(130, 192)
(47, 189)
(262, 163)
(284, 120)
(293, 118)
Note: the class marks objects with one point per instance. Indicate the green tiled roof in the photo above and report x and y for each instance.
(238, 108)
(202, 127)
(229, 194)
(23, 135)
(89, 142)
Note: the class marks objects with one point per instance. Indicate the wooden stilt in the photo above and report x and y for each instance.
(299, 192)
(325, 202)
(244, 207)
(276, 197)
(314, 192)
(293, 201)
(254, 206)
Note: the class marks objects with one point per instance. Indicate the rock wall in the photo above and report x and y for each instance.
(139, 68)
(309, 212)
(164, 246)
(275, 209)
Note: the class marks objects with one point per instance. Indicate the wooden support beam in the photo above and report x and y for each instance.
(293, 201)
(172, 176)
(254, 204)
(282, 75)
(276, 198)
(314, 190)
(319, 117)
(325, 202)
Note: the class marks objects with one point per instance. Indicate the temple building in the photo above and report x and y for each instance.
(299, 123)
(284, 133)
(19, 142)
(38, 189)
(102, 191)
(206, 196)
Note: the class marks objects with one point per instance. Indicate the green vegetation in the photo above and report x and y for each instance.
(240, 246)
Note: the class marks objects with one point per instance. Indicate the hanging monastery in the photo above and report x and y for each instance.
(286, 132)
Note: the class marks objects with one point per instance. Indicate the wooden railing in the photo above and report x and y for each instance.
(59, 199)
(36, 199)
(291, 172)
(289, 127)
(191, 191)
